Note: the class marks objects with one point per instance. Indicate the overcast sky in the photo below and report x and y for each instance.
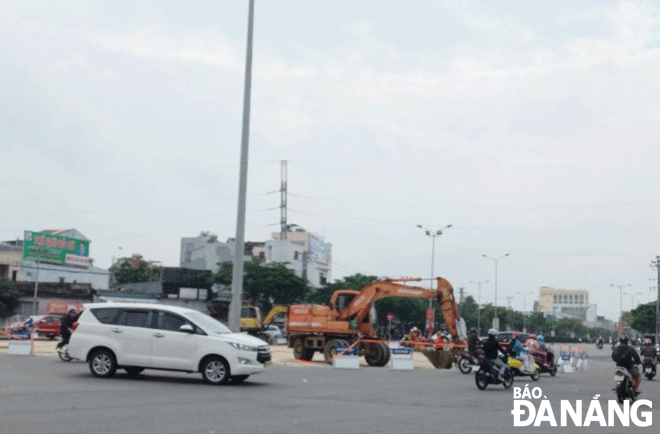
(531, 128)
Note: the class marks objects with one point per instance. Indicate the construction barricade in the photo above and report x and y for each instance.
(346, 357)
(401, 358)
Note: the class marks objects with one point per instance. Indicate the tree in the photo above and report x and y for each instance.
(643, 318)
(8, 298)
(129, 273)
(355, 282)
(266, 284)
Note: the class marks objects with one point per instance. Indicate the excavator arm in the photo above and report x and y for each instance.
(361, 304)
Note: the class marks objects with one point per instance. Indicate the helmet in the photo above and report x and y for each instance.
(532, 336)
(647, 341)
(623, 339)
(473, 330)
(540, 338)
(492, 332)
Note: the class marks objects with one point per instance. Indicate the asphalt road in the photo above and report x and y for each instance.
(44, 395)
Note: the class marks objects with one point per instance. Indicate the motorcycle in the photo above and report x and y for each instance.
(518, 369)
(467, 361)
(487, 375)
(649, 367)
(623, 385)
(547, 363)
(599, 345)
(63, 354)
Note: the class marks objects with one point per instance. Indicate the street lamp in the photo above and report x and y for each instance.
(433, 233)
(524, 309)
(620, 297)
(479, 306)
(496, 320)
(632, 299)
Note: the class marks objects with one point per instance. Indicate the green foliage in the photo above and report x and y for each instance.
(355, 282)
(266, 284)
(643, 318)
(8, 298)
(127, 273)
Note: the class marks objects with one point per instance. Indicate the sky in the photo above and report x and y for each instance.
(530, 128)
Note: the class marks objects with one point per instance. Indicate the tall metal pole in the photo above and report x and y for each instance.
(432, 234)
(620, 298)
(237, 275)
(36, 291)
(656, 264)
(496, 320)
(524, 309)
(479, 306)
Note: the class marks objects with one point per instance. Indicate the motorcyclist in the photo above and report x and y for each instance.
(599, 342)
(66, 327)
(531, 344)
(473, 342)
(492, 348)
(626, 356)
(544, 351)
(647, 350)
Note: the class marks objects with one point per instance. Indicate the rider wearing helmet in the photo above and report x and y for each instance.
(473, 342)
(647, 350)
(492, 348)
(531, 343)
(626, 356)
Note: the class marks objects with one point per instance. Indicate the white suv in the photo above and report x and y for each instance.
(135, 336)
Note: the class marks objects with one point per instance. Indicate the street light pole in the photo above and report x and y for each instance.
(620, 298)
(496, 320)
(479, 306)
(524, 309)
(433, 233)
(632, 299)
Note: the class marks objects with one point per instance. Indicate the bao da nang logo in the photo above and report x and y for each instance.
(532, 408)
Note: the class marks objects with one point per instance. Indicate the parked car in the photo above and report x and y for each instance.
(275, 335)
(48, 326)
(137, 336)
(506, 336)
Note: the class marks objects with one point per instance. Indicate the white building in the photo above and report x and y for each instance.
(305, 253)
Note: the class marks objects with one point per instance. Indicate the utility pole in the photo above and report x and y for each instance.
(656, 265)
(283, 195)
(479, 306)
(239, 250)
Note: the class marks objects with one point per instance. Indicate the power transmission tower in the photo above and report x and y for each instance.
(283, 195)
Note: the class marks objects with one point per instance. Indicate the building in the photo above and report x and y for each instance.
(11, 255)
(205, 252)
(60, 256)
(561, 303)
(305, 253)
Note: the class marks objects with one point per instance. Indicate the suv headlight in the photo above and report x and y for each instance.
(242, 346)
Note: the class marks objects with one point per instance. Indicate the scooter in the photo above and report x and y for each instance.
(518, 368)
(63, 354)
(623, 385)
(487, 375)
(649, 367)
(547, 363)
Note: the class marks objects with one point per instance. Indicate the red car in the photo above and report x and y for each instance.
(49, 326)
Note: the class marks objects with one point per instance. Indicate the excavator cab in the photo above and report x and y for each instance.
(341, 299)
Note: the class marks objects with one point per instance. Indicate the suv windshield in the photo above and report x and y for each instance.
(210, 325)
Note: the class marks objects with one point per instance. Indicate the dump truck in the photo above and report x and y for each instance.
(350, 317)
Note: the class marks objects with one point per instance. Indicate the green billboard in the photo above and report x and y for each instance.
(58, 249)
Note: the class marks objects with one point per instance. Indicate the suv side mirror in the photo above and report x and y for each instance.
(187, 328)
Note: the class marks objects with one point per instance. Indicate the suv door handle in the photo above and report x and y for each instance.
(117, 330)
(159, 335)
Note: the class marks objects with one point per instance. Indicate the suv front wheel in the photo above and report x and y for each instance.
(215, 370)
(103, 363)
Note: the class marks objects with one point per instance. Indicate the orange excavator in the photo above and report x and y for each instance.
(350, 317)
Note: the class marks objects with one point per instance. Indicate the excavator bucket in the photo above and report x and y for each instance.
(438, 358)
